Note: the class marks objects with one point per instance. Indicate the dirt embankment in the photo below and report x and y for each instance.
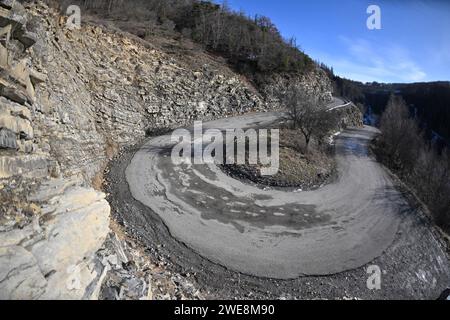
(298, 168)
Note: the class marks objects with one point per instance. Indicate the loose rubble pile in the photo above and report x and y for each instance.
(69, 101)
(134, 276)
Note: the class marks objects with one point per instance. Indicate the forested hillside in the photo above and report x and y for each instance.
(428, 102)
(251, 45)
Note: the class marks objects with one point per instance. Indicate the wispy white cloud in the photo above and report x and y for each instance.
(366, 61)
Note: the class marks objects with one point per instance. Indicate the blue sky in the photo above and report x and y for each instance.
(413, 44)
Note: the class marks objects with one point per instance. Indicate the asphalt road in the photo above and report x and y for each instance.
(272, 233)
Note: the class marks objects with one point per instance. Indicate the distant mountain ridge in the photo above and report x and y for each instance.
(429, 102)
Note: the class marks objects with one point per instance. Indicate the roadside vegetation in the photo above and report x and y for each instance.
(419, 163)
(297, 168)
(306, 156)
(308, 114)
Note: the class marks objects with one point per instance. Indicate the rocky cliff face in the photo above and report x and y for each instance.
(96, 89)
(69, 100)
(315, 82)
(350, 116)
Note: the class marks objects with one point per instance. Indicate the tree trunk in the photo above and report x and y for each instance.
(307, 140)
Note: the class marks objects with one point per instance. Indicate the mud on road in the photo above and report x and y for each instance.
(414, 265)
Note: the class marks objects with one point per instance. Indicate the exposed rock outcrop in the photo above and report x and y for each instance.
(350, 116)
(49, 233)
(52, 257)
(315, 83)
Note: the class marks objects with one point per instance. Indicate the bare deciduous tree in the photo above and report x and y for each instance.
(401, 137)
(308, 113)
(422, 166)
